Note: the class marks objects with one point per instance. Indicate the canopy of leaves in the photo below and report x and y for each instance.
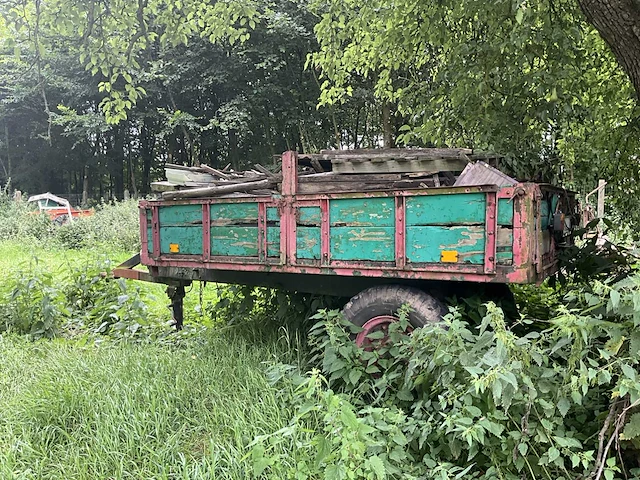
(532, 80)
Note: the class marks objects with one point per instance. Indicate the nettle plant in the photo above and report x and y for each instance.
(559, 401)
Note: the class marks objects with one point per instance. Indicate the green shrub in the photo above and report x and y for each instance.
(84, 300)
(467, 401)
(18, 221)
(114, 226)
(103, 305)
(32, 304)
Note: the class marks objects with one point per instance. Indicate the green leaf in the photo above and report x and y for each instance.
(349, 418)
(553, 453)
(563, 406)
(260, 465)
(377, 465)
(632, 428)
(354, 376)
(335, 472)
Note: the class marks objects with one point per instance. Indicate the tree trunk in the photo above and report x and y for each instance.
(234, 155)
(386, 126)
(618, 22)
(85, 187)
(148, 141)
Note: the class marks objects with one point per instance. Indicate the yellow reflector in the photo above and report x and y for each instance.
(449, 256)
(174, 248)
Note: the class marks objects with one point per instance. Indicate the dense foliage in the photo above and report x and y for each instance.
(187, 100)
(122, 87)
(557, 401)
(532, 81)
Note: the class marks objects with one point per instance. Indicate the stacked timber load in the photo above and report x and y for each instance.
(205, 181)
(330, 171)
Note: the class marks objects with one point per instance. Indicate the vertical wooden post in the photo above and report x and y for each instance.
(288, 221)
(325, 247)
(206, 232)
(491, 232)
(155, 231)
(401, 226)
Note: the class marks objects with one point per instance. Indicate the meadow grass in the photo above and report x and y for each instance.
(185, 407)
(123, 410)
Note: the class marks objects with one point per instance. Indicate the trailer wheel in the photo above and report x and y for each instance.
(375, 308)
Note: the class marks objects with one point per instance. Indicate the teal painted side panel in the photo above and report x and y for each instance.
(504, 246)
(363, 243)
(272, 214)
(504, 258)
(452, 209)
(273, 242)
(505, 211)
(230, 213)
(234, 241)
(308, 243)
(363, 212)
(309, 216)
(188, 239)
(546, 211)
(425, 243)
(175, 215)
(544, 214)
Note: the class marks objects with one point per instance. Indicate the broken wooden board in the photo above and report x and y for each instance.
(479, 173)
(354, 186)
(397, 153)
(397, 165)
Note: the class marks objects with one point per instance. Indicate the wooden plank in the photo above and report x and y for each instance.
(363, 243)
(426, 243)
(397, 166)
(220, 189)
(263, 170)
(187, 238)
(362, 212)
(394, 153)
(273, 215)
(234, 241)
(308, 243)
(453, 209)
(180, 215)
(505, 211)
(354, 187)
(309, 216)
(273, 241)
(339, 177)
(213, 171)
(233, 213)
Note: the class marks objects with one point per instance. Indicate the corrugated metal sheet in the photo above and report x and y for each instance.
(480, 173)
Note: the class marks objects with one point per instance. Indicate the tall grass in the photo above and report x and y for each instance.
(121, 410)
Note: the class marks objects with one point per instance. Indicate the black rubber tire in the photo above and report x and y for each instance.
(387, 300)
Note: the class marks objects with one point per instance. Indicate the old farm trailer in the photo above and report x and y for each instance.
(385, 246)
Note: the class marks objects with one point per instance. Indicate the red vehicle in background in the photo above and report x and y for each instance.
(58, 209)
